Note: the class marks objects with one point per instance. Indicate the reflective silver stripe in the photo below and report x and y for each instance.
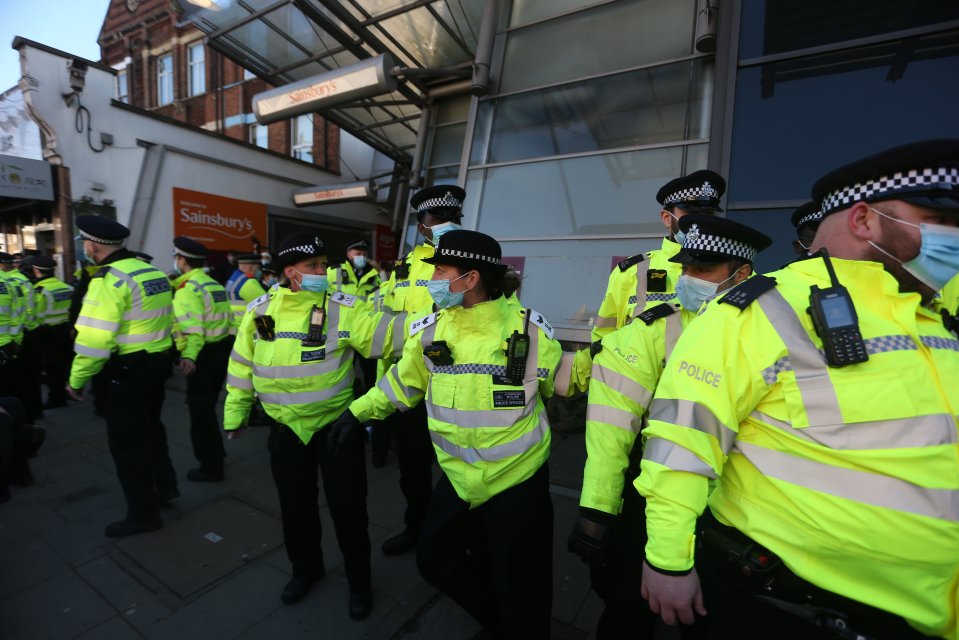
(308, 397)
(771, 373)
(885, 344)
(426, 339)
(291, 372)
(238, 382)
(216, 332)
(676, 457)
(626, 420)
(468, 419)
(333, 326)
(641, 269)
(189, 316)
(602, 322)
(5, 311)
(238, 358)
(563, 373)
(379, 336)
(143, 337)
(387, 389)
(858, 486)
(622, 384)
(219, 317)
(147, 315)
(674, 328)
(14, 329)
(399, 333)
(812, 377)
(899, 433)
(692, 415)
(935, 342)
(196, 330)
(90, 351)
(96, 323)
(472, 455)
(135, 297)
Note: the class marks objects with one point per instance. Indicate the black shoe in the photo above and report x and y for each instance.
(406, 541)
(125, 528)
(203, 475)
(360, 605)
(50, 404)
(296, 589)
(164, 497)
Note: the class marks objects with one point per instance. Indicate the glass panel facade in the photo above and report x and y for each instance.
(645, 107)
(447, 144)
(302, 138)
(775, 224)
(828, 123)
(619, 35)
(775, 26)
(595, 195)
(197, 63)
(165, 79)
(526, 11)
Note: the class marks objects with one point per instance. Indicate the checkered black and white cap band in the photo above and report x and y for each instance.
(310, 249)
(446, 201)
(456, 253)
(186, 254)
(692, 194)
(114, 242)
(903, 181)
(815, 216)
(696, 240)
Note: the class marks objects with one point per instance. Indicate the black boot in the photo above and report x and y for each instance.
(405, 541)
(360, 605)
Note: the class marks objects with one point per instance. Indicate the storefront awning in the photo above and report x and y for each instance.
(288, 40)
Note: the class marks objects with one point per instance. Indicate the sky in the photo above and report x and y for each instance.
(68, 25)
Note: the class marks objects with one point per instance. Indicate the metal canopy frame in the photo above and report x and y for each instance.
(282, 41)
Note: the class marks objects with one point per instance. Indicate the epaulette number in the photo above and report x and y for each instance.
(253, 305)
(422, 323)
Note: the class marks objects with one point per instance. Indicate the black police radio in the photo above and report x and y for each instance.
(835, 320)
(517, 352)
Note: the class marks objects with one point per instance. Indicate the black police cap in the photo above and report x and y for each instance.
(806, 215)
(189, 248)
(710, 239)
(441, 200)
(249, 258)
(44, 263)
(299, 246)
(468, 250)
(5, 258)
(924, 173)
(700, 190)
(102, 230)
(359, 244)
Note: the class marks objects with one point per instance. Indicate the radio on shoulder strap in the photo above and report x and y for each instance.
(835, 320)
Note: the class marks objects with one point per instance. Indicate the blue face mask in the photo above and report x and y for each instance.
(359, 261)
(176, 267)
(693, 293)
(680, 235)
(938, 259)
(439, 229)
(441, 294)
(313, 283)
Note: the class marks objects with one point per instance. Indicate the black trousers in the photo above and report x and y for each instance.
(55, 356)
(13, 461)
(26, 368)
(739, 603)
(203, 388)
(415, 455)
(495, 561)
(344, 483)
(136, 433)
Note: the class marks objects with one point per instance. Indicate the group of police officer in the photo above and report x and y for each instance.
(768, 455)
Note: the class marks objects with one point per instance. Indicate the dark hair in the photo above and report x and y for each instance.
(195, 263)
(492, 281)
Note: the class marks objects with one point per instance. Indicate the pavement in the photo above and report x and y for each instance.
(217, 567)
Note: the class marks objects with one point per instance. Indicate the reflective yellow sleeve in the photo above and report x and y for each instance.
(550, 360)
(401, 388)
(97, 327)
(239, 377)
(377, 334)
(188, 321)
(607, 318)
(251, 290)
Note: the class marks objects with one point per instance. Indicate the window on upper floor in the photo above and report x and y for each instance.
(165, 79)
(302, 138)
(196, 60)
(122, 86)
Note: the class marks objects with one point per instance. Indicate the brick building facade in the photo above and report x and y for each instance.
(165, 67)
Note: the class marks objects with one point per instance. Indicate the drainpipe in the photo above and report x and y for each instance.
(420, 149)
(484, 49)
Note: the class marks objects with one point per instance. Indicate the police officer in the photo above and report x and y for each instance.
(53, 315)
(805, 220)
(646, 278)
(717, 254)
(487, 538)
(439, 209)
(294, 349)
(125, 326)
(829, 435)
(11, 329)
(203, 325)
(356, 276)
(28, 363)
(242, 287)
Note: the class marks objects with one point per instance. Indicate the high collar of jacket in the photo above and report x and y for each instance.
(670, 247)
(116, 256)
(856, 275)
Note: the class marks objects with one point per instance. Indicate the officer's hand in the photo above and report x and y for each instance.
(590, 534)
(343, 431)
(673, 597)
(187, 366)
(76, 394)
(233, 434)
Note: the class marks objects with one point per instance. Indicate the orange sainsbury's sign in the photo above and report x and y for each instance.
(218, 222)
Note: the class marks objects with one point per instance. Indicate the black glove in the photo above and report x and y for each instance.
(590, 534)
(343, 431)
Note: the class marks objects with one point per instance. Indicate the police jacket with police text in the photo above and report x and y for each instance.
(53, 301)
(202, 312)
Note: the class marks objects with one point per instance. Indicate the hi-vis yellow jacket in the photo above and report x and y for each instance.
(343, 278)
(489, 435)
(634, 284)
(202, 312)
(11, 311)
(241, 290)
(950, 296)
(850, 475)
(53, 301)
(303, 386)
(623, 379)
(28, 299)
(410, 294)
(128, 308)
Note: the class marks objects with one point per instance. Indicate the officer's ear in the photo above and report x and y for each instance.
(742, 273)
(667, 219)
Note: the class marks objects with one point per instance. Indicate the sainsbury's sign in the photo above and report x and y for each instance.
(220, 223)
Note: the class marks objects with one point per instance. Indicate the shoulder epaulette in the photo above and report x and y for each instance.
(630, 261)
(743, 294)
(257, 302)
(422, 323)
(653, 314)
(344, 299)
(102, 271)
(537, 318)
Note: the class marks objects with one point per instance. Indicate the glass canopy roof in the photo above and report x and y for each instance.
(283, 41)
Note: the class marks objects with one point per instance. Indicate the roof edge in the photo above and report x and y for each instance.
(19, 42)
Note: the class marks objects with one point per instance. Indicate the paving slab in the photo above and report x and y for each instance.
(139, 607)
(59, 608)
(81, 540)
(27, 562)
(113, 629)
